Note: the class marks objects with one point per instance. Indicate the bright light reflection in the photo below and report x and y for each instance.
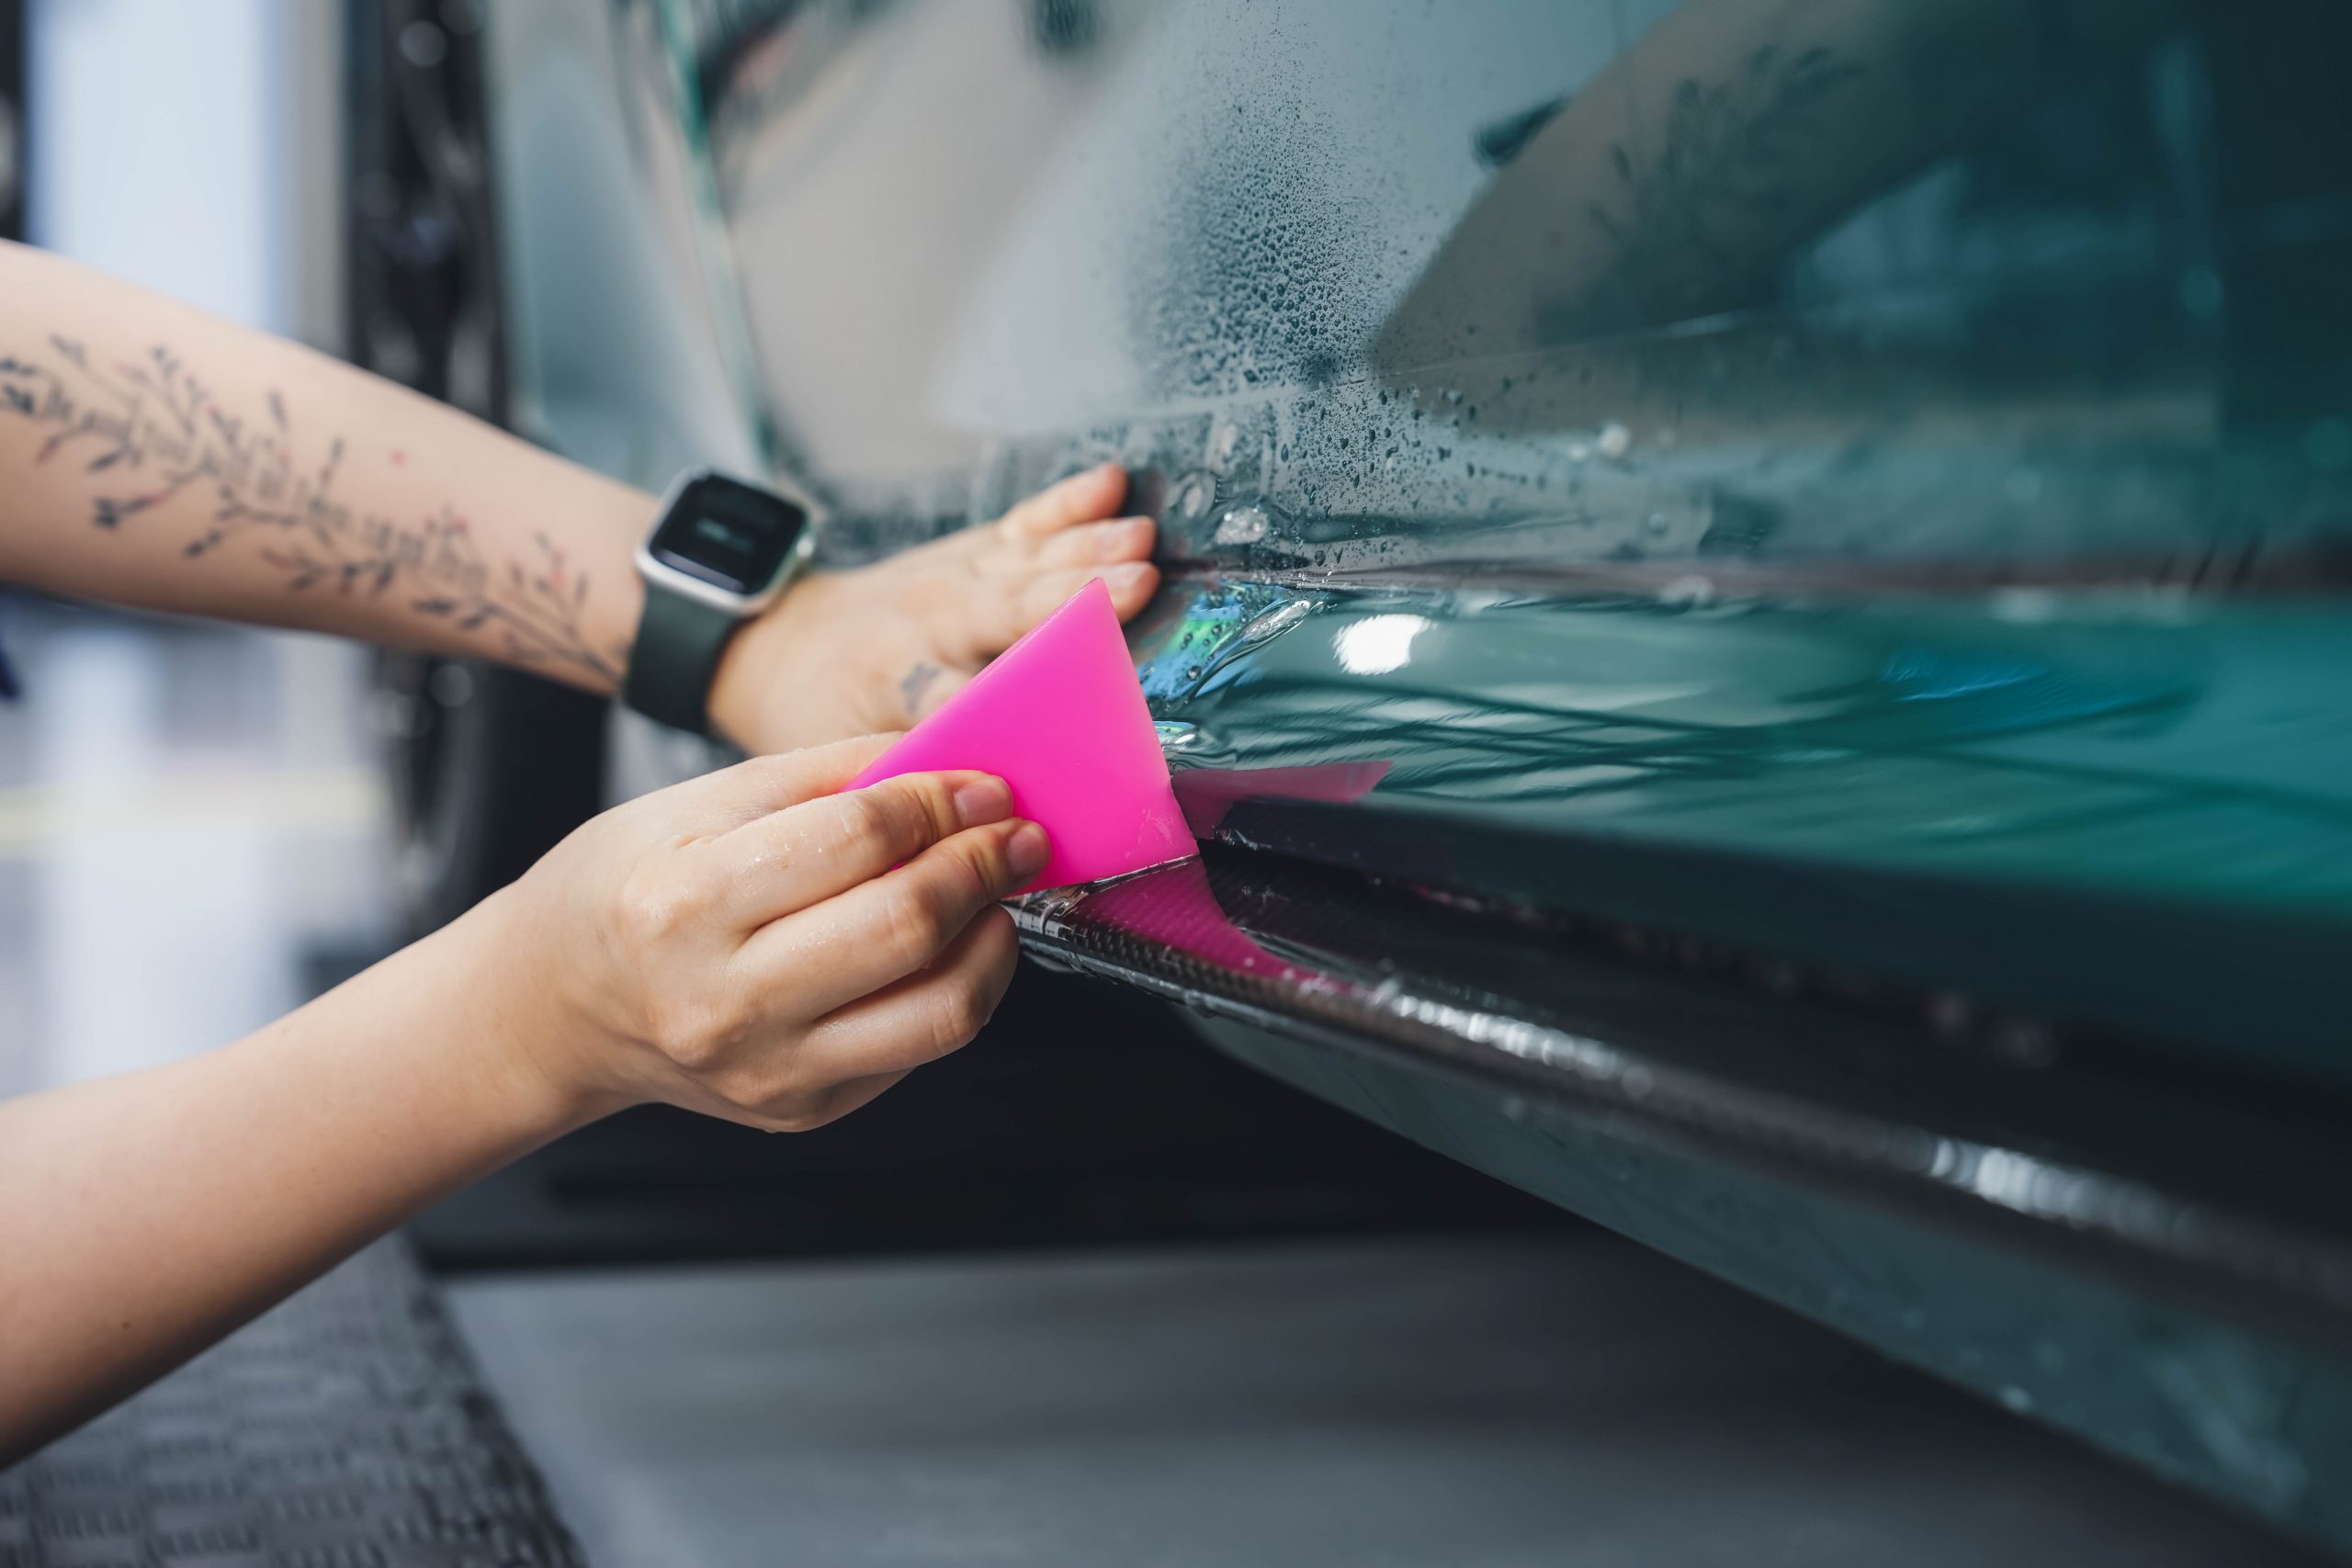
(1378, 644)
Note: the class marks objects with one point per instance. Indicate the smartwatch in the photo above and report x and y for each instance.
(720, 552)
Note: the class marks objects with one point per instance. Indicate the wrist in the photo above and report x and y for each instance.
(535, 1054)
(730, 701)
(755, 657)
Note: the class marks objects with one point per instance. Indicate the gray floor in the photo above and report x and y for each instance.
(1461, 1401)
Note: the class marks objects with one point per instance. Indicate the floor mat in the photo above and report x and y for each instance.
(347, 1428)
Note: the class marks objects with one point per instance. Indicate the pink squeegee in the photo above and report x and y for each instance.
(1060, 718)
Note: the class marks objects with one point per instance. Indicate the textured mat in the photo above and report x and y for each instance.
(345, 1429)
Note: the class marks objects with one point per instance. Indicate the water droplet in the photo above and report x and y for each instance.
(1613, 440)
(1688, 593)
(1243, 526)
(1270, 623)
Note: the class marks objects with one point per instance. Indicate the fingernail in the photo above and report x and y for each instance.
(983, 800)
(1126, 576)
(1025, 851)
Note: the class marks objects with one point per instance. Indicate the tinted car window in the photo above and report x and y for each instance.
(2046, 255)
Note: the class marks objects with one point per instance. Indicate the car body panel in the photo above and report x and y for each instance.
(1845, 507)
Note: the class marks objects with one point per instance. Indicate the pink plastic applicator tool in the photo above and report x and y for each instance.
(1060, 718)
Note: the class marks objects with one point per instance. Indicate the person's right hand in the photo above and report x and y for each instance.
(741, 944)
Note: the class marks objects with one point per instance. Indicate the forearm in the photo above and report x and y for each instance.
(757, 944)
(153, 455)
(145, 1215)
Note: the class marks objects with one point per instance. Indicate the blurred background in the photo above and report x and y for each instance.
(195, 816)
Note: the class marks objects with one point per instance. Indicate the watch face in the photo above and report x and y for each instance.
(727, 534)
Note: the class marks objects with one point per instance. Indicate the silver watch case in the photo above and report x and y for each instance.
(739, 606)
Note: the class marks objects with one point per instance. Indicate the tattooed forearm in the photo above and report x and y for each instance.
(148, 433)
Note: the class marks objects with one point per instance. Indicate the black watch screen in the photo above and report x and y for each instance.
(727, 534)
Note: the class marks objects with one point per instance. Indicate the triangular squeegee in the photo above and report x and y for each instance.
(1060, 716)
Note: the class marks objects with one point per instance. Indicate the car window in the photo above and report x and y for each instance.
(2017, 275)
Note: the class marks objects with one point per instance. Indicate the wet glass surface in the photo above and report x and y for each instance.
(2047, 262)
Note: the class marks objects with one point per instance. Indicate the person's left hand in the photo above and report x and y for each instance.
(855, 652)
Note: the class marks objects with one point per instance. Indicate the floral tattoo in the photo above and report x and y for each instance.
(148, 432)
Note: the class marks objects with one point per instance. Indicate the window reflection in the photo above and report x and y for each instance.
(1695, 171)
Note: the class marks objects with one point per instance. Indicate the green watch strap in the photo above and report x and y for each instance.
(678, 644)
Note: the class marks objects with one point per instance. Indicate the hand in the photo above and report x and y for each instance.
(855, 652)
(741, 944)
